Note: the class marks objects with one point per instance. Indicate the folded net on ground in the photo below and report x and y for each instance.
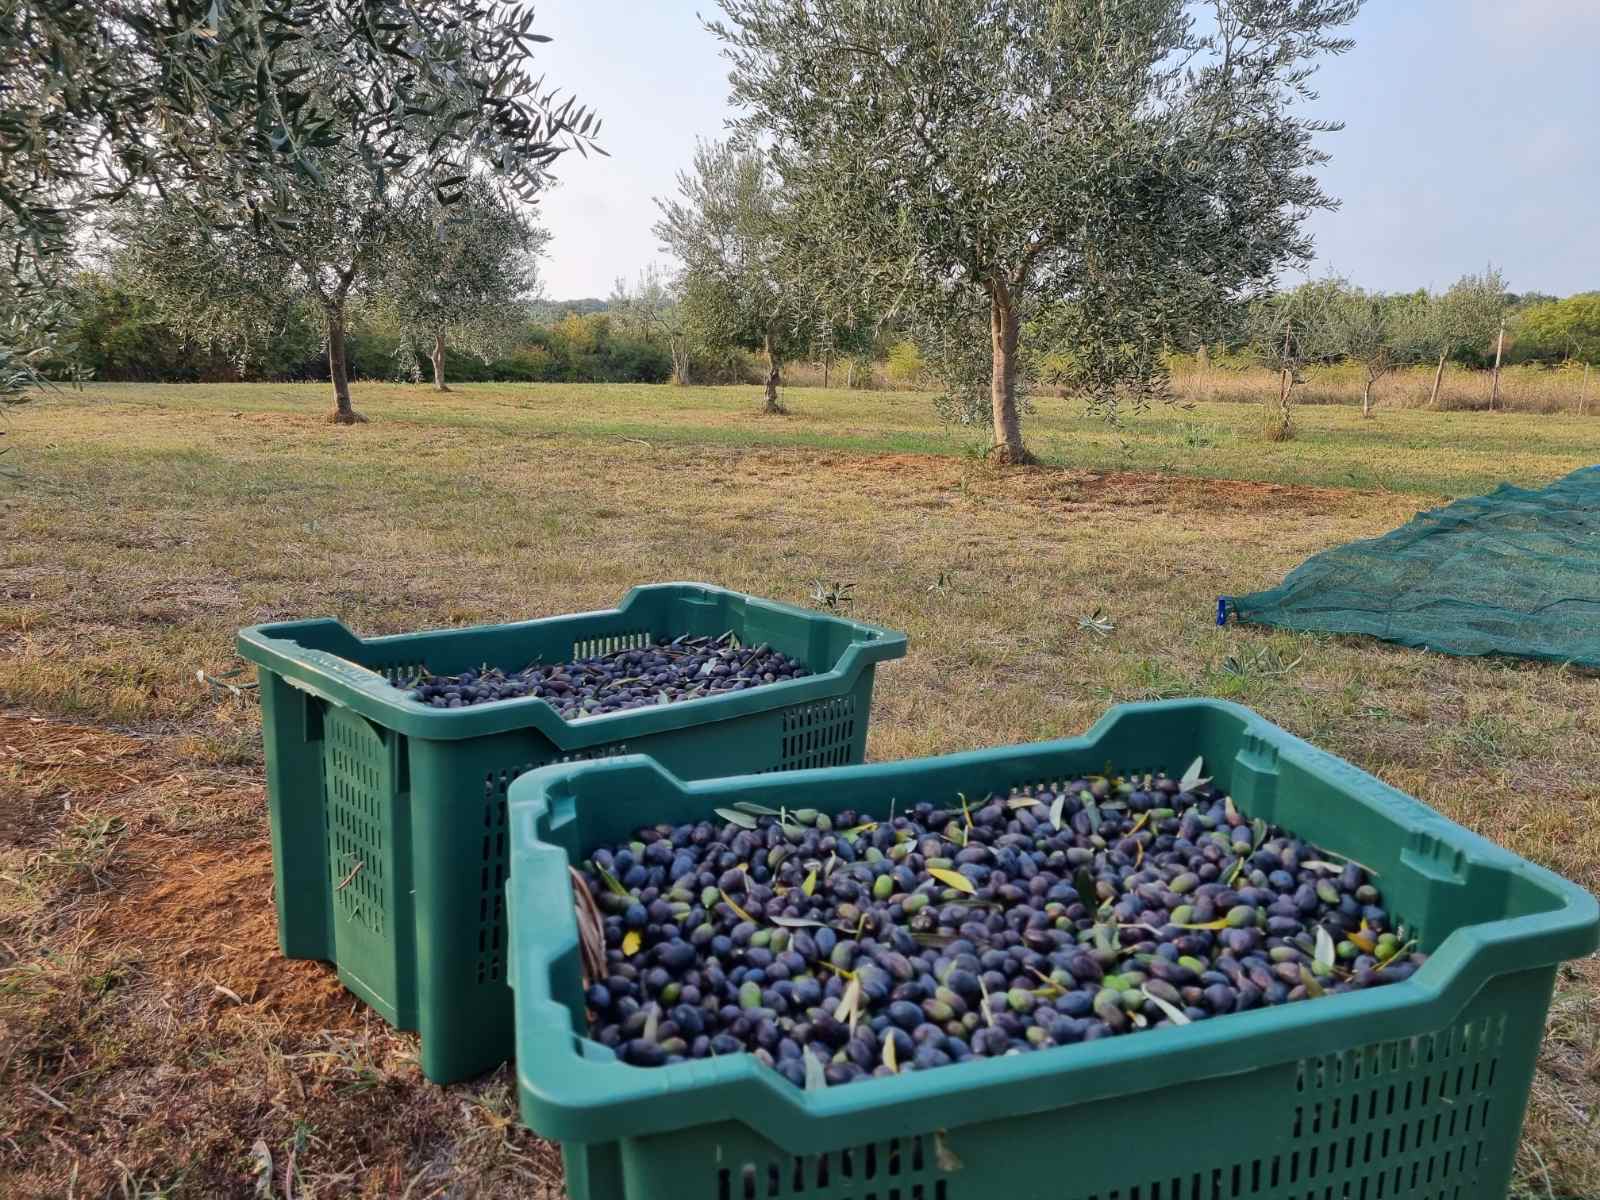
(1513, 572)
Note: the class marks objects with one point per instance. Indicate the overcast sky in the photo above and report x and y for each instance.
(1470, 138)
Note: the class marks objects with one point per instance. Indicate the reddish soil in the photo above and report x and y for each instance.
(193, 912)
(207, 916)
(1073, 490)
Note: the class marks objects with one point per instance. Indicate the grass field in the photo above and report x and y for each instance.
(151, 1041)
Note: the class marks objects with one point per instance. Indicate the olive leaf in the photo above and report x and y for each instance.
(734, 904)
(849, 1004)
(750, 806)
(1327, 955)
(889, 1055)
(631, 941)
(810, 885)
(942, 1154)
(652, 1021)
(1219, 924)
(965, 811)
(988, 1017)
(734, 817)
(1313, 988)
(953, 879)
(1056, 809)
(1192, 778)
(1093, 811)
(799, 923)
(1258, 827)
(1019, 802)
(816, 1079)
(1232, 812)
(1332, 868)
(1173, 1013)
(612, 884)
(1362, 941)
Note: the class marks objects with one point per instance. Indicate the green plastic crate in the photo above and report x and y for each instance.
(389, 837)
(1415, 1090)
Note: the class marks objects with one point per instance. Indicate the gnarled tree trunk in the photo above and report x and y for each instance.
(1004, 327)
(774, 370)
(1366, 399)
(338, 370)
(438, 362)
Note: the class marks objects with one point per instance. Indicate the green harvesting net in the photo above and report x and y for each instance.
(1513, 572)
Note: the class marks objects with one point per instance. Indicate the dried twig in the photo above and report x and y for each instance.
(591, 930)
(354, 871)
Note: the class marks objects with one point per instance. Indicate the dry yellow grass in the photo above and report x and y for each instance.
(151, 524)
(1524, 388)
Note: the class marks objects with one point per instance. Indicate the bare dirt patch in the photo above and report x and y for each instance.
(205, 916)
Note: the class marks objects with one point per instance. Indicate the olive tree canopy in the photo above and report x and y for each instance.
(463, 278)
(256, 114)
(740, 283)
(1132, 164)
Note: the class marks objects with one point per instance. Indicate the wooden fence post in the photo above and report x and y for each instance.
(1499, 347)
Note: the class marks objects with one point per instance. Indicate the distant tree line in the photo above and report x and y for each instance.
(645, 332)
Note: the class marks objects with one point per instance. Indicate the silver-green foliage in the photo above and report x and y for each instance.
(463, 278)
(1127, 165)
(652, 310)
(741, 284)
(1287, 331)
(260, 114)
(1377, 332)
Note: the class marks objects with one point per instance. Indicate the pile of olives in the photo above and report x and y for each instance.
(836, 949)
(639, 677)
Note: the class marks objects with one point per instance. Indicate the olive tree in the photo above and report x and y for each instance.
(739, 283)
(1286, 332)
(269, 116)
(1376, 332)
(1136, 162)
(463, 276)
(1465, 317)
(653, 310)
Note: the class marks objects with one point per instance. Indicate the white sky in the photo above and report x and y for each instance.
(1470, 139)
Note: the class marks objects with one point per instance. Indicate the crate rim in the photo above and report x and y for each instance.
(272, 646)
(592, 1096)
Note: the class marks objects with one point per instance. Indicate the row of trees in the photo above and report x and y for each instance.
(247, 153)
(1071, 186)
(1331, 320)
(1115, 177)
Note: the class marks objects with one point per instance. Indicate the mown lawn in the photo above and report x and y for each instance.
(151, 1042)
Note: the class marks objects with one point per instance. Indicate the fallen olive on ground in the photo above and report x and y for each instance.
(839, 949)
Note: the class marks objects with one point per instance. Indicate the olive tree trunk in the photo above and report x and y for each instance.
(1366, 398)
(1004, 328)
(1438, 377)
(438, 362)
(338, 369)
(774, 372)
